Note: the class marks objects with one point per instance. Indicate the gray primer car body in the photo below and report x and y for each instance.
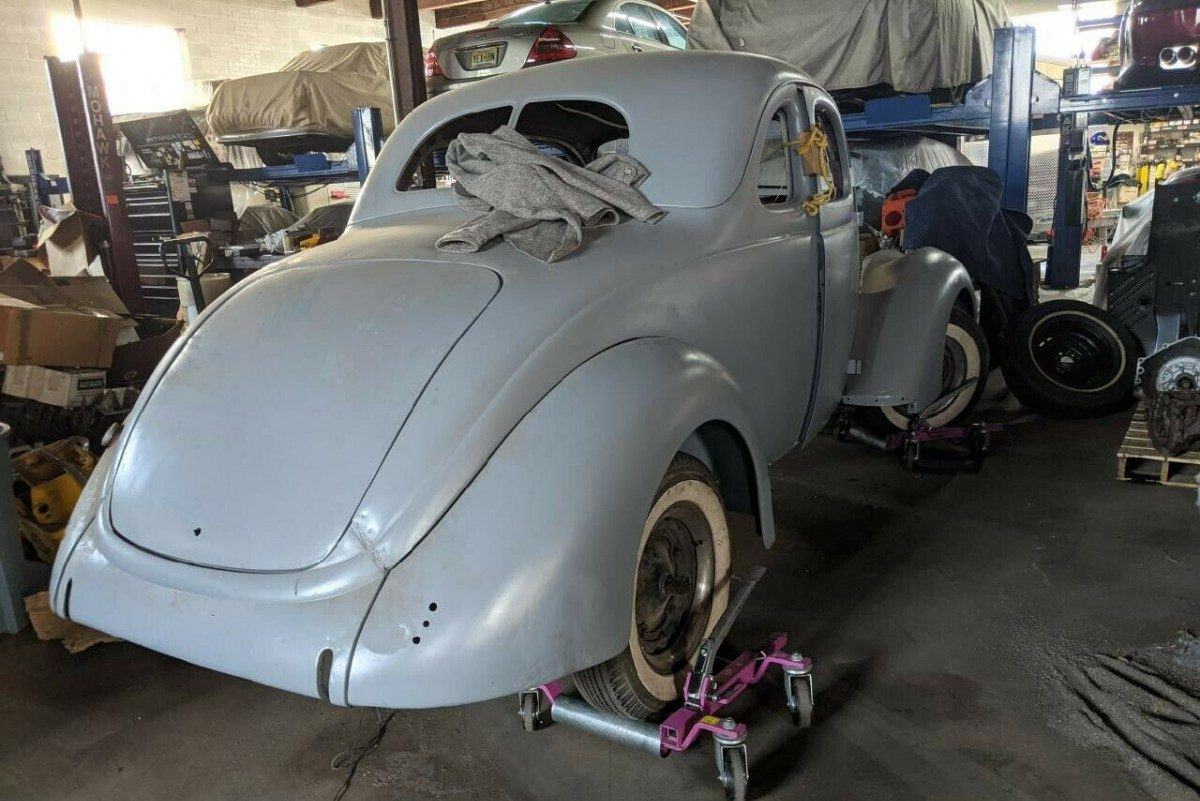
(385, 475)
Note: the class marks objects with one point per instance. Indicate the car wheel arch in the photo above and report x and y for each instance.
(724, 450)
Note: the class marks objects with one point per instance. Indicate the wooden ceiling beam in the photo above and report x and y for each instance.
(467, 14)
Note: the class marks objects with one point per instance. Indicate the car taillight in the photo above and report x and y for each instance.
(551, 45)
(432, 68)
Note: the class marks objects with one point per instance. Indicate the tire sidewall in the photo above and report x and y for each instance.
(964, 400)
(1038, 392)
(684, 486)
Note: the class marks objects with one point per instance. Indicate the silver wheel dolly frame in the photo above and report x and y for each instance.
(971, 443)
(705, 694)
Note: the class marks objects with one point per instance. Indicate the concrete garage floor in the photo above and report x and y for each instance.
(936, 607)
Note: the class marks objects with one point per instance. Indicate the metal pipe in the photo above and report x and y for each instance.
(866, 438)
(580, 715)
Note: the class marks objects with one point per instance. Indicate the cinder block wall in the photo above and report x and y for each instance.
(222, 39)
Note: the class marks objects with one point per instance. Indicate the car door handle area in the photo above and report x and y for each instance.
(636, 48)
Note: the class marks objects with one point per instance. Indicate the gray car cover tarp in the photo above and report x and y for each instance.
(912, 45)
(314, 92)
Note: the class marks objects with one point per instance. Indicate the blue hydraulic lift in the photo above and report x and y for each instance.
(1007, 107)
(315, 168)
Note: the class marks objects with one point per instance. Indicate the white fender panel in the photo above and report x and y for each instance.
(529, 575)
(903, 312)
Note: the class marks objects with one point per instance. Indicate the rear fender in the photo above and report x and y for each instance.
(903, 312)
(529, 575)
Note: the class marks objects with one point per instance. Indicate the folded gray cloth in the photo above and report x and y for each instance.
(539, 204)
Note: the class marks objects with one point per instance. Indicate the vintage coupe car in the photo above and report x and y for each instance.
(382, 474)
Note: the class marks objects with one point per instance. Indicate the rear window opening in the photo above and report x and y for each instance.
(576, 131)
(581, 129)
(422, 169)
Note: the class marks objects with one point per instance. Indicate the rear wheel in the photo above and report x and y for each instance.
(680, 589)
(1067, 358)
(965, 356)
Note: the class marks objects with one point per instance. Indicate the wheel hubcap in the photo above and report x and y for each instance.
(674, 587)
(1076, 353)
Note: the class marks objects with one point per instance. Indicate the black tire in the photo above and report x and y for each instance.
(687, 512)
(966, 355)
(272, 157)
(736, 778)
(528, 712)
(1067, 358)
(802, 715)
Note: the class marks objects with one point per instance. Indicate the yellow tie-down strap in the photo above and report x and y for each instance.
(813, 148)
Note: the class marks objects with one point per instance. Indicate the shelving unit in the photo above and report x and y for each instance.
(1007, 107)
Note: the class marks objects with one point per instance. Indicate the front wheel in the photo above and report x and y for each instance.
(965, 357)
(680, 589)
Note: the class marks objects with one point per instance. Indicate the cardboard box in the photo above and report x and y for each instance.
(63, 243)
(60, 322)
(66, 387)
(133, 363)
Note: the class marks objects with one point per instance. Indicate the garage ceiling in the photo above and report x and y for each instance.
(452, 13)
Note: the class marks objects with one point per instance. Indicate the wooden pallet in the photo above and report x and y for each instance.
(1139, 460)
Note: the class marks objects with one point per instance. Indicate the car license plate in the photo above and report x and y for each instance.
(483, 58)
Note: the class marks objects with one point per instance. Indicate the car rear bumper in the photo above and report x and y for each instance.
(302, 645)
(1140, 76)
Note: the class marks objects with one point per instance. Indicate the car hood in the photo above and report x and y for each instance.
(255, 446)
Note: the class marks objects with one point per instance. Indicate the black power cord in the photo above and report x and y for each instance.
(349, 759)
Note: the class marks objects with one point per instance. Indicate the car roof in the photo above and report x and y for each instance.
(693, 118)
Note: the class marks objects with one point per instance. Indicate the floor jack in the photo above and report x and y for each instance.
(956, 448)
(705, 694)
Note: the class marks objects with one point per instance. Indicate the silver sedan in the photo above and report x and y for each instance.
(549, 32)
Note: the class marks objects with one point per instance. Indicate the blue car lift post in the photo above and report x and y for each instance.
(1007, 107)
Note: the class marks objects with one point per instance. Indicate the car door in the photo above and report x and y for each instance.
(636, 28)
(780, 279)
(839, 263)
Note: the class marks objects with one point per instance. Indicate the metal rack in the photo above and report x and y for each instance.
(1007, 107)
(315, 168)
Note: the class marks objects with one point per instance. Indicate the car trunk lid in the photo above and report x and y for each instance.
(254, 450)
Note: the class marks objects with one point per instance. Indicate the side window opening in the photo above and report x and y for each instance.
(774, 164)
(426, 168)
(837, 162)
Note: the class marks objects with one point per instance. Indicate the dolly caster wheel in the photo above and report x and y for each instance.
(530, 710)
(732, 771)
(799, 691)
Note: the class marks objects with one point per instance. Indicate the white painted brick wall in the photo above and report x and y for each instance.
(222, 39)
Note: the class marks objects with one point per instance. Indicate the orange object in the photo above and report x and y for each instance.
(893, 211)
